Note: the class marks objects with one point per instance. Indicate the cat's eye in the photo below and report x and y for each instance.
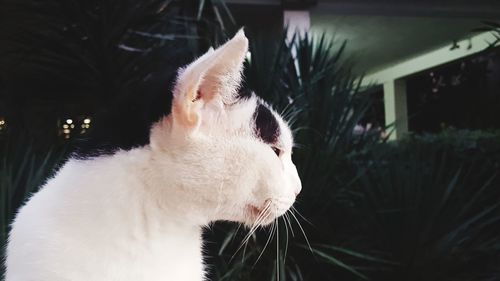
(277, 151)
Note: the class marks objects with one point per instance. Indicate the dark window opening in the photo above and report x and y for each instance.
(464, 94)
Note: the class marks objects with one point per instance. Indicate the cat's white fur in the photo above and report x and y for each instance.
(138, 215)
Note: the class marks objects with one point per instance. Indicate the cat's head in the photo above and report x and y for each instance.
(231, 155)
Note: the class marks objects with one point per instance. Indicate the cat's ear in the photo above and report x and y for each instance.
(216, 74)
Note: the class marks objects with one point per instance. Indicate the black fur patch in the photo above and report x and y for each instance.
(267, 127)
(244, 93)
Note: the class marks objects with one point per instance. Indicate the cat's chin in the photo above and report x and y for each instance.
(266, 213)
(258, 216)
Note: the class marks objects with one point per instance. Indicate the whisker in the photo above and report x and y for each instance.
(298, 213)
(271, 233)
(244, 254)
(236, 232)
(261, 217)
(286, 242)
(251, 231)
(303, 232)
(257, 221)
(264, 214)
(278, 252)
(287, 218)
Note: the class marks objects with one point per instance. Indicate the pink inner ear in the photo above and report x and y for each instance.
(198, 96)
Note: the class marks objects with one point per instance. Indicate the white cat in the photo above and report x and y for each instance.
(138, 215)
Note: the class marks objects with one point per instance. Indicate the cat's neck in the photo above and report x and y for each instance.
(169, 189)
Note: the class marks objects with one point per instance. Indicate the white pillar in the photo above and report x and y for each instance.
(296, 21)
(396, 112)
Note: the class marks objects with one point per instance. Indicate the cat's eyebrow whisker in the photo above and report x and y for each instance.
(284, 112)
(298, 129)
(303, 232)
(299, 145)
(293, 119)
(289, 111)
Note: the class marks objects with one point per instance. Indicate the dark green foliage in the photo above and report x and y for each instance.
(432, 207)
(461, 94)
(98, 58)
(99, 47)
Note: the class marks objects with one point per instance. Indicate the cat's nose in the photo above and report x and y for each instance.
(298, 188)
(294, 179)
